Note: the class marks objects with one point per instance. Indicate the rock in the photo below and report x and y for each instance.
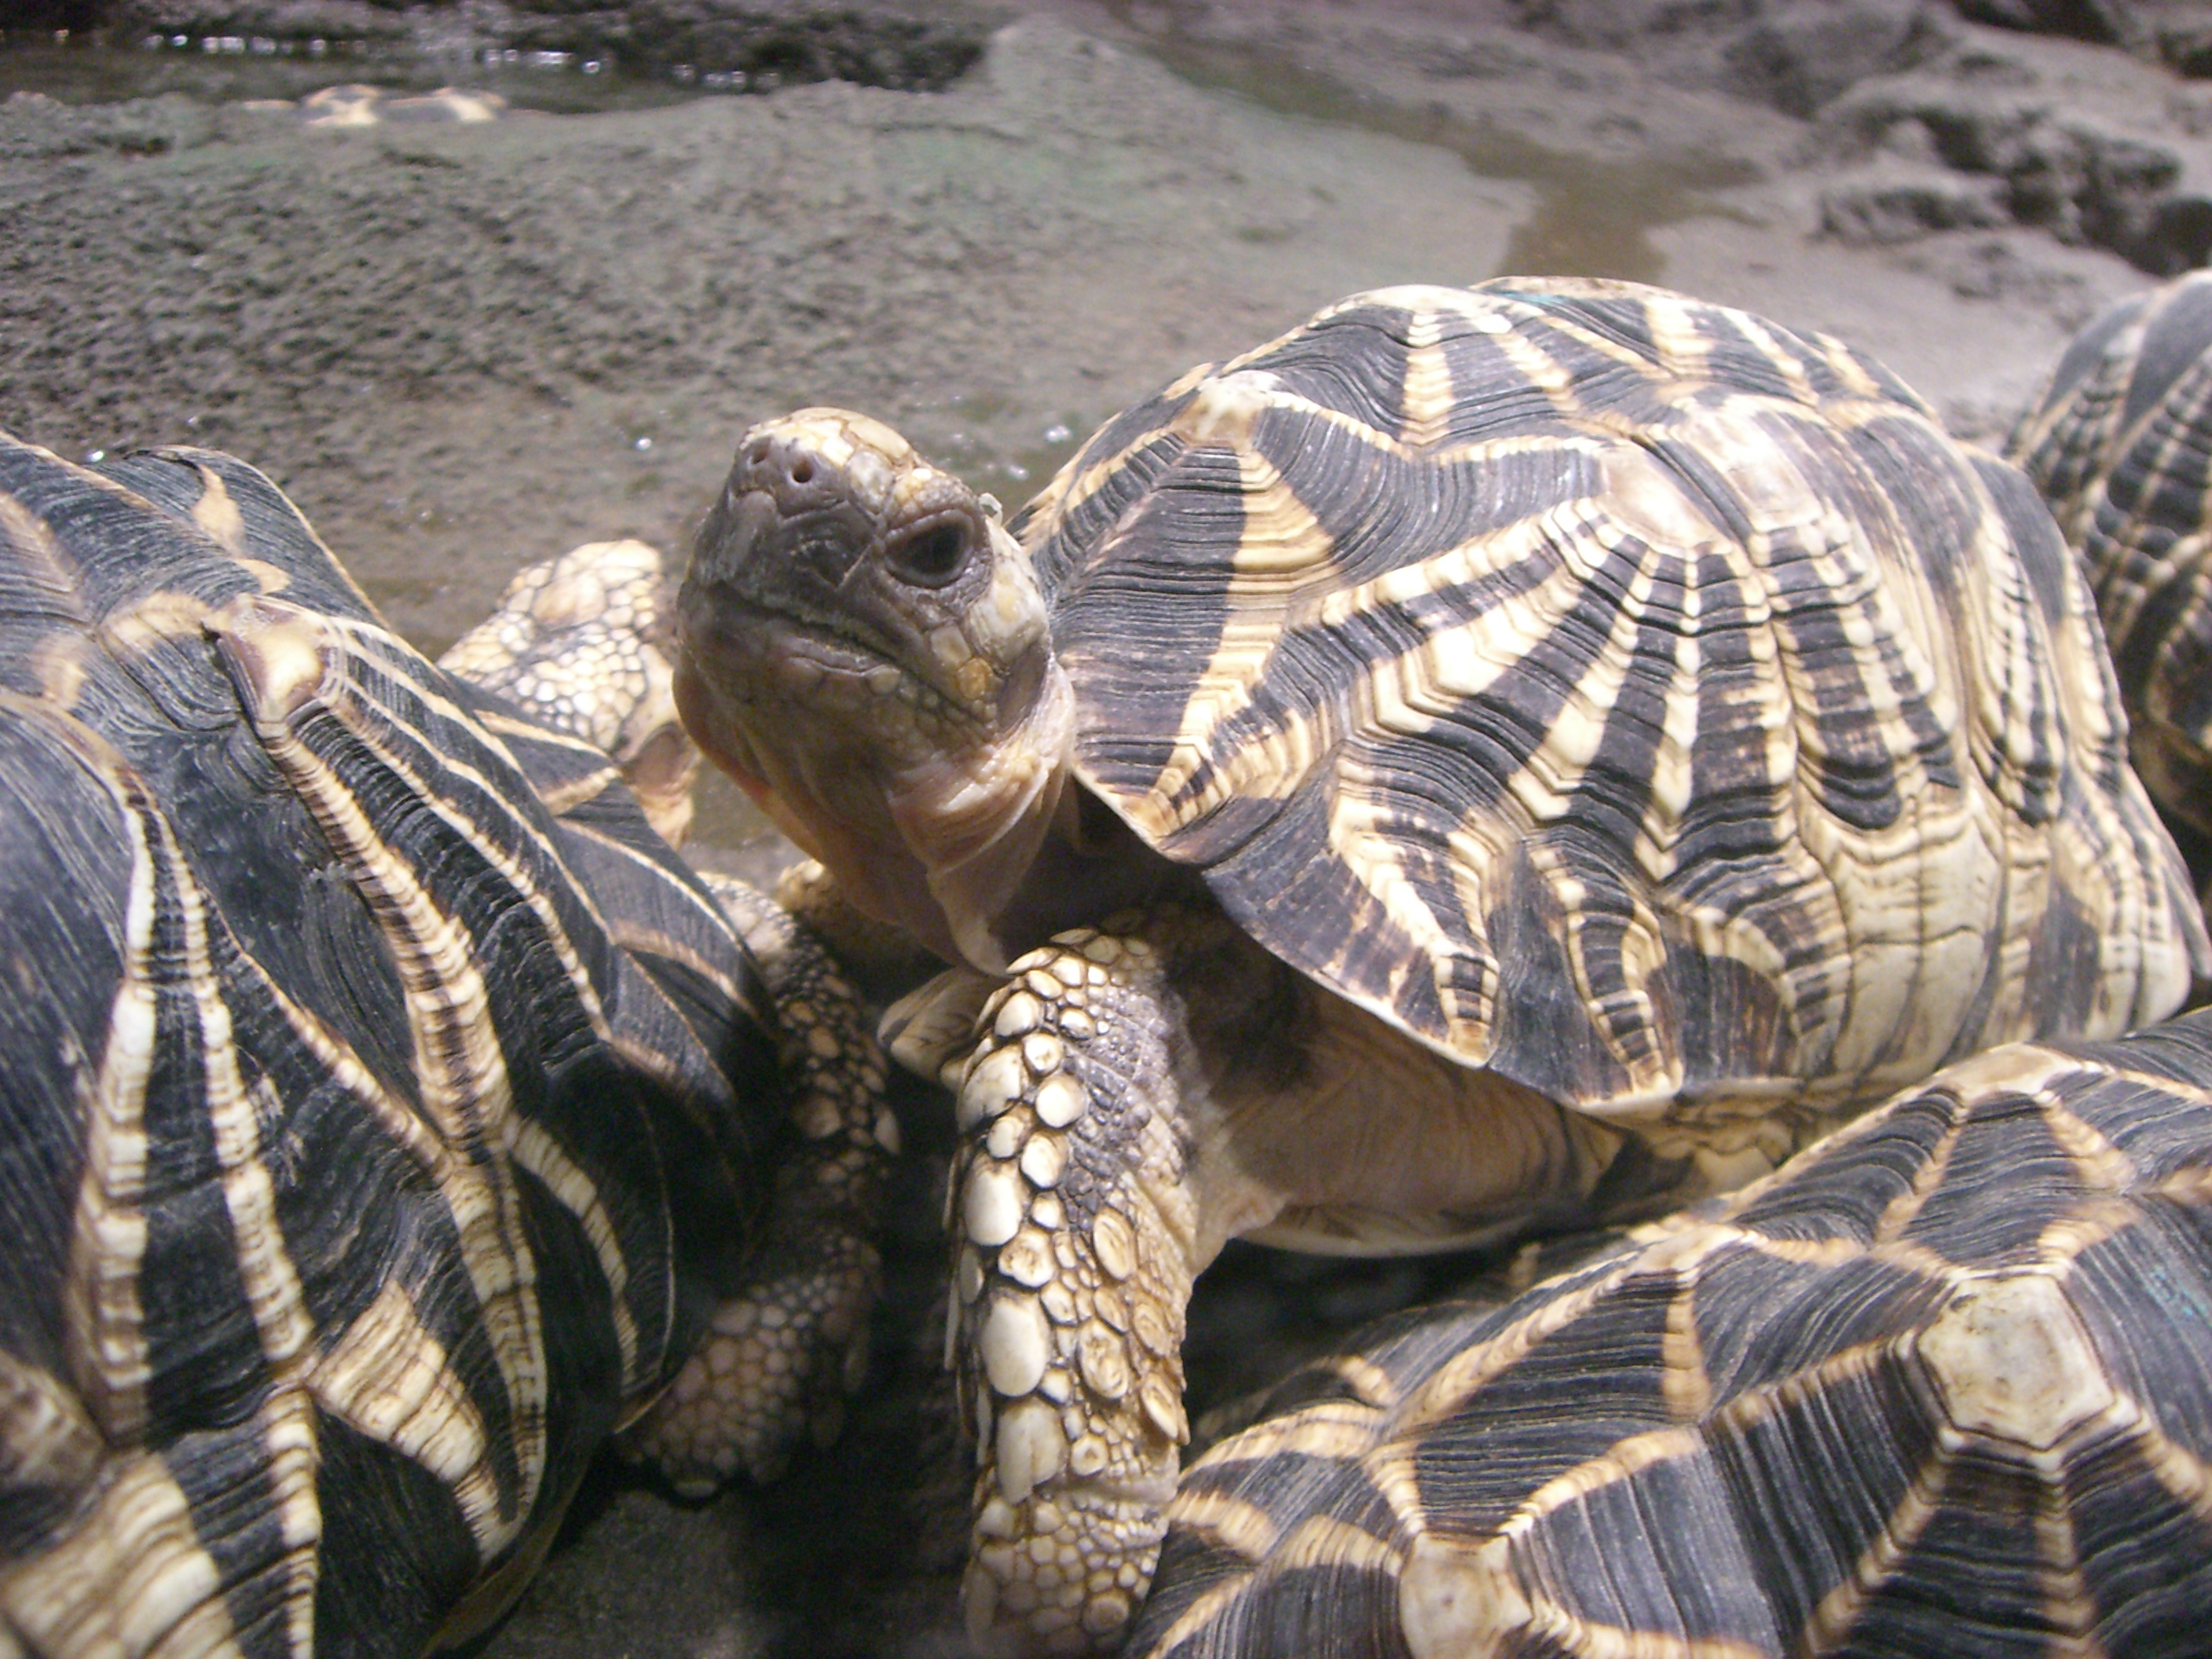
(1893, 203)
(2063, 173)
(2104, 22)
(1796, 55)
(1801, 55)
(273, 20)
(912, 45)
(769, 42)
(2180, 35)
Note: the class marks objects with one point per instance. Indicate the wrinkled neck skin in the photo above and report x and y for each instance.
(865, 651)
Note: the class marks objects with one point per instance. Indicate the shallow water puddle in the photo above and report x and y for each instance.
(235, 69)
(1594, 214)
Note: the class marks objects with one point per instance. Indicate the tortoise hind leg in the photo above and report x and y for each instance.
(1077, 1242)
(784, 1350)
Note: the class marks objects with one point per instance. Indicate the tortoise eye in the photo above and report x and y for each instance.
(931, 559)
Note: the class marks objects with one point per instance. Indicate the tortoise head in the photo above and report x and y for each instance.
(864, 648)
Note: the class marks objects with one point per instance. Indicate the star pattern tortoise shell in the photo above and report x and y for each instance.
(1644, 710)
(389, 1114)
(2121, 443)
(1942, 1385)
(1594, 681)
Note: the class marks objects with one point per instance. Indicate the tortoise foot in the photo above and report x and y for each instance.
(790, 1342)
(778, 1363)
(1071, 1276)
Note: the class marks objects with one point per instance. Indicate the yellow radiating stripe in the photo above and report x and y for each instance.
(369, 723)
(1554, 771)
(109, 1357)
(1200, 1614)
(1586, 1639)
(296, 526)
(40, 559)
(519, 881)
(1784, 362)
(159, 618)
(1839, 1609)
(657, 942)
(622, 930)
(2068, 1601)
(1448, 1389)
(1429, 397)
(1683, 1378)
(1322, 1540)
(1902, 1211)
(461, 1078)
(128, 1580)
(391, 1380)
(535, 1151)
(1339, 1431)
(2176, 1468)
(1230, 1522)
(1851, 372)
(1543, 372)
(217, 515)
(2098, 1165)
(1684, 350)
(432, 1419)
(1283, 546)
(266, 1273)
(514, 725)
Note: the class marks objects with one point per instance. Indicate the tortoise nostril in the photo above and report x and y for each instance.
(802, 471)
(758, 453)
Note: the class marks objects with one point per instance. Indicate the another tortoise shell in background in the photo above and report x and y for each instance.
(2121, 444)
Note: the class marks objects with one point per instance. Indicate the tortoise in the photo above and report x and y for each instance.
(2120, 442)
(1486, 761)
(1940, 1385)
(390, 1114)
(581, 643)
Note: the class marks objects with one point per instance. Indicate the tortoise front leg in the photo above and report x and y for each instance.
(1076, 1245)
(783, 1351)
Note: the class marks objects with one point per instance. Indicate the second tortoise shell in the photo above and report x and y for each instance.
(1618, 691)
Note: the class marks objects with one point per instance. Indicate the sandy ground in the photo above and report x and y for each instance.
(462, 348)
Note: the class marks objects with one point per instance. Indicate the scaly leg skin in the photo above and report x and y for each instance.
(1076, 1248)
(884, 959)
(784, 1351)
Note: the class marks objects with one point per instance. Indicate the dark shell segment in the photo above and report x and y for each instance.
(1885, 1420)
(1618, 691)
